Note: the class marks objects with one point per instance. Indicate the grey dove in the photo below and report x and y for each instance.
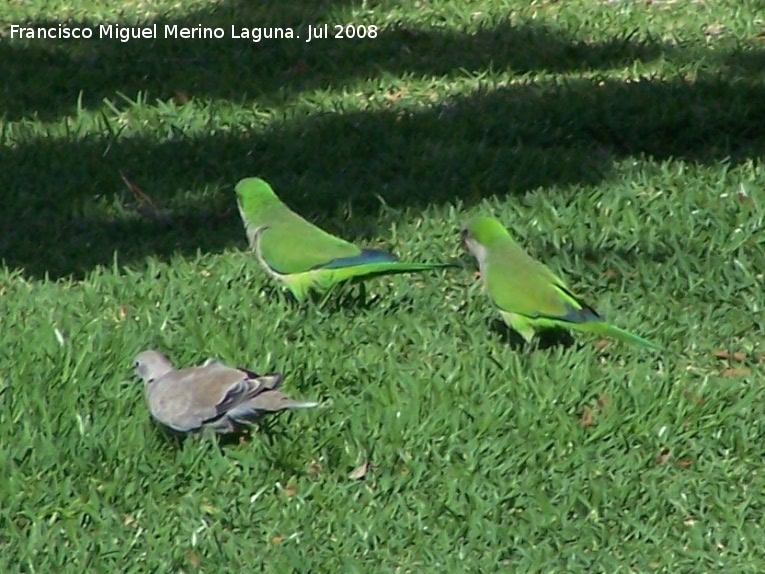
(211, 396)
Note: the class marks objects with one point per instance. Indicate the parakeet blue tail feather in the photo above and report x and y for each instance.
(366, 257)
(583, 315)
(575, 315)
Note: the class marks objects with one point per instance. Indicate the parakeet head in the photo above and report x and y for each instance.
(480, 232)
(254, 196)
(151, 365)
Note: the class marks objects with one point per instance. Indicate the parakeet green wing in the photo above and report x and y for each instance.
(297, 246)
(531, 289)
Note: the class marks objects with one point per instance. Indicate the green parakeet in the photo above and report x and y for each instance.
(530, 296)
(303, 256)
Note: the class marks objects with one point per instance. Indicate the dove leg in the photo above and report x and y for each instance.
(221, 426)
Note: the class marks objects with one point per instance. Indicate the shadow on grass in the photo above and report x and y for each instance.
(349, 295)
(504, 140)
(510, 140)
(49, 75)
(544, 340)
(263, 428)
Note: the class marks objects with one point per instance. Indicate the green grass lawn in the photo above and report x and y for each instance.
(620, 141)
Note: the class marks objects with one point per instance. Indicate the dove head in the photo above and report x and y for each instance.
(254, 196)
(151, 365)
(481, 232)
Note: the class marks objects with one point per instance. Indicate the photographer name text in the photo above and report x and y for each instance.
(199, 32)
